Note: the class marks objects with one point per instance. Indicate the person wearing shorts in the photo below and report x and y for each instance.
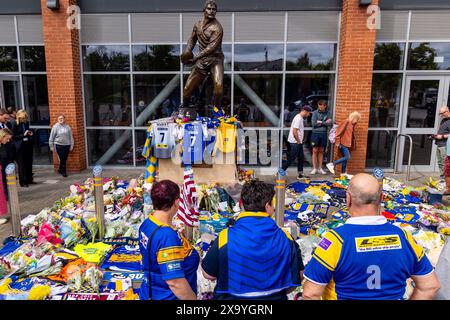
(321, 121)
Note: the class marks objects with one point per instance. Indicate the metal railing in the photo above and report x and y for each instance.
(408, 170)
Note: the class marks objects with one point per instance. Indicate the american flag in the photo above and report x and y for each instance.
(188, 210)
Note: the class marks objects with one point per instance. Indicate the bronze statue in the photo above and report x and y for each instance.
(209, 33)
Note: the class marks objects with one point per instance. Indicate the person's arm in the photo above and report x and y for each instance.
(422, 273)
(181, 289)
(214, 42)
(210, 264)
(312, 291)
(314, 120)
(425, 287)
(170, 256)
(71, 139)
(192, 40)
(297, 136)
(51, 140)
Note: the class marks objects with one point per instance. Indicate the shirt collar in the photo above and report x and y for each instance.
(367, 220)
(252, 214)
(159, 223)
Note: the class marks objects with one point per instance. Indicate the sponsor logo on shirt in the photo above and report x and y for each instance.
(174, 266)
(325, 244)
(378, 243)
(144, 240)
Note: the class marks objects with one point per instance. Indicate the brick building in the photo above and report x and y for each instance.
(121, 69)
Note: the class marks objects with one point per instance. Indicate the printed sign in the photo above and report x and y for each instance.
(378, 243)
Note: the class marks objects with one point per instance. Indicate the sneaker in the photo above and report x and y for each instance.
(330, 167)
(313, 172)
(301, 176)
(3, 221)
(321, 171)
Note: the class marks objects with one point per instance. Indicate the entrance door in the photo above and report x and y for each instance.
(10, 92)
(424, 95)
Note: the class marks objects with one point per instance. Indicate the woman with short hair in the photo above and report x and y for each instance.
(5, 137)
(170, 262)
(23, 143)
(345, 141)
(61, 141)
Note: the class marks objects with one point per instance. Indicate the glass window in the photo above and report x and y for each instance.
(261, 147)
(381, 149)
(226, 49)
(110, 147)
(141, 137)
(36, 99)
(156, 96)
(422, 103)
(11, 91)
(429, 56)
(32, 58)
(156, 58)
(421, 150)
(8, 59)
(389, 56)
(310, 56)
(106, 58)
(302, 89)
(258, 57)
(202, 97)
(385, 101)
(108, 100)
(258, 98)
(41, 153)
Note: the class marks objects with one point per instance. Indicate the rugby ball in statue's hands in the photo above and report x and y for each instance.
(186, 57)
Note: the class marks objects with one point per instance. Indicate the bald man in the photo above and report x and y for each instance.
(441, 138)
(367, 257)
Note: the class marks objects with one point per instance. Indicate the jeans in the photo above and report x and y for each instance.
(441, 154)
(344, 159)
(295, 153)
(63, 154)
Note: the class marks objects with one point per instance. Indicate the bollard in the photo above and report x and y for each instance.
(99, 203)
(14, 207)
(280, 194)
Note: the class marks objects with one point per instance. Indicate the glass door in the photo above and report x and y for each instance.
(424, 95)
(10, 92)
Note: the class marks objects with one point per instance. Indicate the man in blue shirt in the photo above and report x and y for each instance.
(367, 257)
(254, 258)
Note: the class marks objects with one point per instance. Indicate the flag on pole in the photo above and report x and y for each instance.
(152, 161)
(188, 210)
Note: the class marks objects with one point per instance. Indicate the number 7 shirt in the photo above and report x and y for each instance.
(163, 139)
(194, 136)
(366, 258)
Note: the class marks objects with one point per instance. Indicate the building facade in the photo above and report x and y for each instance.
(121, 69)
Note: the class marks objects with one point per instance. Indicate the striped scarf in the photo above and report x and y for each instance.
(188, 210)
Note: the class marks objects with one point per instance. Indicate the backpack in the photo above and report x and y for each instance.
(332, 134)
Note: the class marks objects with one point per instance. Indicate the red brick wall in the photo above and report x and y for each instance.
(356, 52)
(62, 53)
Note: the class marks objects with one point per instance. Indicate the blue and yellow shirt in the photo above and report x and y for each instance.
(172, 257)
(253, 259)
(367, 258)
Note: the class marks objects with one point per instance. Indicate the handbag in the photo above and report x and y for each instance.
(150, 293)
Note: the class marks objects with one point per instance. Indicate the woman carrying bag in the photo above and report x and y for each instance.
(61, 140)
(345, 141)
(23, 143)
